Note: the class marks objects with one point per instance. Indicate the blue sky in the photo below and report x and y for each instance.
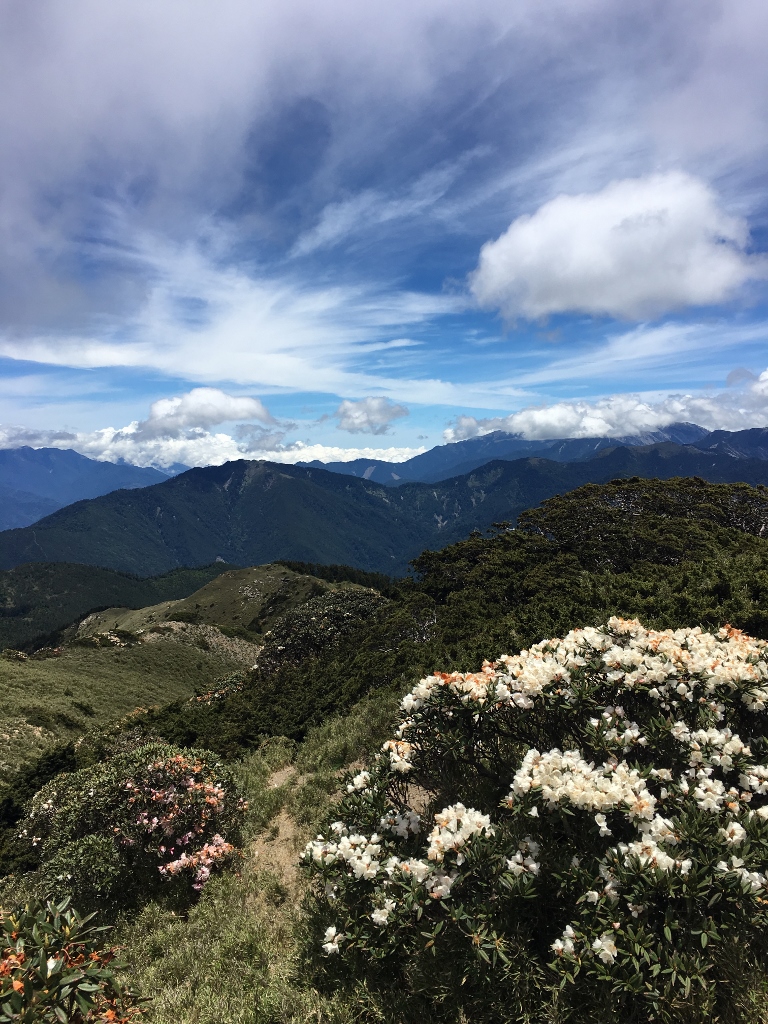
(289, 230)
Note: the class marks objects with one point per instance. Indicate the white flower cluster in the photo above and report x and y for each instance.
(523, 862)
(676, 682)
(400, 754)
(754, 881)
(755, 779)
(650, 854)
(559, 777)
(380, 915)
(359, 852)
(604, 947)
(401, 823)
(359, 783)
(364, 857)
(710, 746)
(615, 727)
(454, 827)
(332, 940)
(665, 661)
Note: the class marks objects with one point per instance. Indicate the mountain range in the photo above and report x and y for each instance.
(460, 457)
(250, 512)
(37, 481)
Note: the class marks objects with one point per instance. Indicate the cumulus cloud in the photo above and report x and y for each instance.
(625, 415)
(368, 415)
(198, 409)
(252, 438)
(639, 247)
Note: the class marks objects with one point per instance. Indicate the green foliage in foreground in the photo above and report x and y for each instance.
(54, 968)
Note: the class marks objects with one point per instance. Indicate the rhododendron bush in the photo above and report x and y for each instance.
(54, 967)
(576, 832)
(120, 831)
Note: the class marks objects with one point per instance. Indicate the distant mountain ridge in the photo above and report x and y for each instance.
(34, 482)
(460, 457)
(249, 512)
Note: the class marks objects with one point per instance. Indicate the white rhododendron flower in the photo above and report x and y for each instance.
(331, 941)
(360, 782)
(380, 915)
(566, 943)
(605, 948)
(454, 827)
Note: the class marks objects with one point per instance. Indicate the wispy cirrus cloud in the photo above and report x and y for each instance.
(224, 201)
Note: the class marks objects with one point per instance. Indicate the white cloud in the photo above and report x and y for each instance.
(330, 453)
(360, 214)
(623, 415)
(177, 432)
(199, 408)
(368, 415)
(639, 247)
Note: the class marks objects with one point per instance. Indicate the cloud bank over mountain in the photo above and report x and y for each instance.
(621, 415)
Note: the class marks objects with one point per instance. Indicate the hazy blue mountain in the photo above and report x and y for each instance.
(460, 457)
(36, 481)
(250, 513)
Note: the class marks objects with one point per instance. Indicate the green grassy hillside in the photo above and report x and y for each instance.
(120, 659)
(245, 601)
(250, 513)
(59, 698)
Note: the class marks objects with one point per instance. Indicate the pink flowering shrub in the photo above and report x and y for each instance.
(120, 831)
(578, 832)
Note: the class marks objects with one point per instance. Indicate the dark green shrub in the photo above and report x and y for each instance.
(54, 967)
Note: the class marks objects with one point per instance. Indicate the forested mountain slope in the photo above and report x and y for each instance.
(666, 552)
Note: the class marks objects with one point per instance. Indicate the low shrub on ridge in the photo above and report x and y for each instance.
(114, 834)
